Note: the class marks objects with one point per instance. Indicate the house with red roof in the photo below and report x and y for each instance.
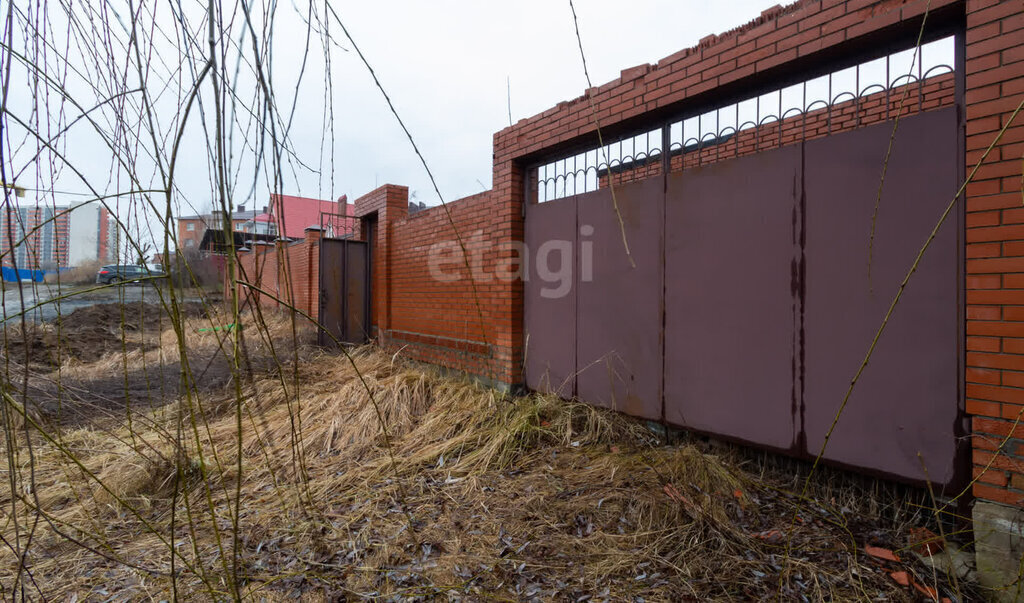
(292, 215)
(286, 216)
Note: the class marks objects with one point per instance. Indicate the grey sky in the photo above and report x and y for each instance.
(444, 64)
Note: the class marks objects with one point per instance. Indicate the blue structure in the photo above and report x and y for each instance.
(12, 276)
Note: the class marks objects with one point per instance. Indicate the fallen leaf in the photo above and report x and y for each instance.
(770, 536)
(927, 591)
(901, 578)
(925, 542)
(673, 493)
(880, 553)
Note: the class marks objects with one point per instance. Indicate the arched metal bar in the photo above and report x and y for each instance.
(795, 110)
(945, 68)
(724, 132)
(867, 91)
(911, 79)
(809, 108)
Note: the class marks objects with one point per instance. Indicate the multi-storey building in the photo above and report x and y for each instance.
(192, 228)
(50, 237)
(292, 215)
(34, 237)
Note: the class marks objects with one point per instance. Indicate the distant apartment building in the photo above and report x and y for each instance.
(109, 239)
(34, 237)
(93, 235)
(293, 215)
(48, 237)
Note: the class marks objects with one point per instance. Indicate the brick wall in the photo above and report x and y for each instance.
(936, 92)
(778, 44)
(383, 205)
(425, 301)
(774, 44)
(289, 271)
(782, 42)
(440, 321)
(995, 248)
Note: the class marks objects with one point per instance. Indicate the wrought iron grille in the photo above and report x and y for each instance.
(868, 92)
(336, 225)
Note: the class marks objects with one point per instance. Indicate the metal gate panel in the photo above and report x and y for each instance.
(550, 320)
(906, 402)
(332, 276)
(730, 341)
(619, 309)
(344, 291)
(357, 291)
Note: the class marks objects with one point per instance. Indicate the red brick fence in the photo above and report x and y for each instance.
(477, 324)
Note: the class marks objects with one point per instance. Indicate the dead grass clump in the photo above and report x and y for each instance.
(128, 476)
(79, 275)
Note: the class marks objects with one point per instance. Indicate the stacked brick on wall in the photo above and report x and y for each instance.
(995, 247)
(477, 326)
(288, 271)
(429, 299)
(995, 284)
(935, 93)
(994, 74)
(381, 207)
(441, 322)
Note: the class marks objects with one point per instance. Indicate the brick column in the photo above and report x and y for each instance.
(281, 277)
(995, 287)
(506, 225)
(390, 203)
(313, 234)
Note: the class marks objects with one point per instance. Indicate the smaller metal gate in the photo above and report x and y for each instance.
(344, 291)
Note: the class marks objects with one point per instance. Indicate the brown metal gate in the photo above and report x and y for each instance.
(344, 291)
(744, 306)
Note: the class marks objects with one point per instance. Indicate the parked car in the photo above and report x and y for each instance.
(126, 273)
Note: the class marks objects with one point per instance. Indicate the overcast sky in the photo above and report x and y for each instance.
(445, 64)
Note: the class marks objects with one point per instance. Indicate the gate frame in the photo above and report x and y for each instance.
(942, 22)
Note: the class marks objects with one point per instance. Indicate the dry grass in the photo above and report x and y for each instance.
(487, 496)
(79, 275)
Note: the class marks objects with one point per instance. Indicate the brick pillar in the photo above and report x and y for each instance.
(266, 277)
(995, 287)
(389, 203)
(311, 274)
(281, 277)
(506, 322)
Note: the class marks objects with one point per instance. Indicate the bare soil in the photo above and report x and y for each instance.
(41, 358)
(91, 332)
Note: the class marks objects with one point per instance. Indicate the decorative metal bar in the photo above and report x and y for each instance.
(614, 160)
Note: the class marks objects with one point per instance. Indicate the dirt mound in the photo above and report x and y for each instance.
(132, 316)
(88, 333)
